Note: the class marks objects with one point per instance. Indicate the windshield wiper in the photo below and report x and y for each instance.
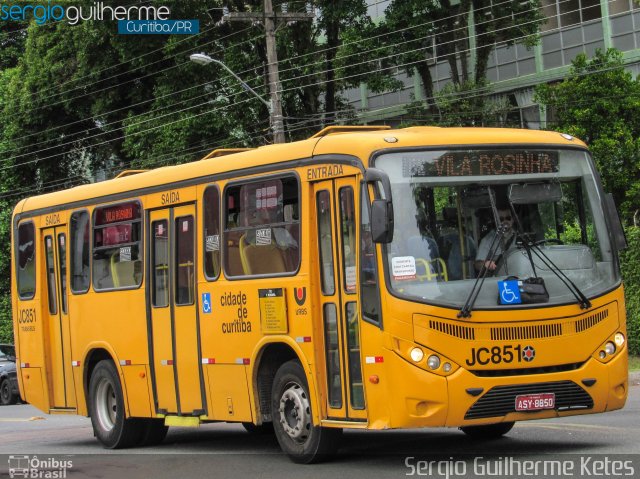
(465, 312)
(579, 295)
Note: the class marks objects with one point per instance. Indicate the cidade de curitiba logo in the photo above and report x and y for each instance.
(132, 19)
(38, 468)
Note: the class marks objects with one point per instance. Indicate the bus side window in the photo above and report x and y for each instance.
(117, 258)
(79, 252)
(26, 261)
(265, 237)
(211, 232)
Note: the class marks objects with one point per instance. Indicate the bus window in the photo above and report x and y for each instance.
(160, 263)
(211, 232)
(62, 260)
(325, 240)
(369, 293)
(185, 270)
(117, 261)
(26, 261)
(262, 229)
(51, 275)
(79, 251)
(348, 227)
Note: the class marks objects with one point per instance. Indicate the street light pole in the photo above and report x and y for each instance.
(275, 113)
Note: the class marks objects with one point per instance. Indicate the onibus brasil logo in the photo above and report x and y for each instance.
(35, 468)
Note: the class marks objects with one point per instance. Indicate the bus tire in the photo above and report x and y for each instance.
(488, 431)
(106, 407)
(154, 432)
(7, 396)
(263, 429)
(292, 416)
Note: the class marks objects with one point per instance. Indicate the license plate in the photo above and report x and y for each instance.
(535, 402)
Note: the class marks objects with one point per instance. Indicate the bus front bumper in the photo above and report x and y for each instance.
(464, 399)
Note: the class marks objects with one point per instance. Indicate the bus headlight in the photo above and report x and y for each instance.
(619, 339)
(433, 362)
(610, 348)
(416, 355)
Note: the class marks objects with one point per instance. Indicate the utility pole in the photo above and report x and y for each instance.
(275, 89)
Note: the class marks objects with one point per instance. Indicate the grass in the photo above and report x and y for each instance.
(634, 363)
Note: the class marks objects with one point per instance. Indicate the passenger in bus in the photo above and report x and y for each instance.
(457, 248)
(505, 216)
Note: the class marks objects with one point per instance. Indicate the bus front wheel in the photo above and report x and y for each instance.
(106, 407)
(292, 416)
(488, 431)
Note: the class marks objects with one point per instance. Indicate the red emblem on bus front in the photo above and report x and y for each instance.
(528, 354)
(300, 295)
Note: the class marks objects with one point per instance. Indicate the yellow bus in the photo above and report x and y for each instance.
(363, 278)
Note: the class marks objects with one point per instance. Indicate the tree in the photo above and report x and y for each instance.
(599, 102)
(419, 32)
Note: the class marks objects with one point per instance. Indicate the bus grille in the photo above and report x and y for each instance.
(591, 321)
(526, 332)
(463, 332)
(501, 400)
(494, 373)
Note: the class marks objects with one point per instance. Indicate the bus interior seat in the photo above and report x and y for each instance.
(429, 265)
(124, 273)
(261, 259)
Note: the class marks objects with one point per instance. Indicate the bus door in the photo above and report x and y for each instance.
(177, 374)
(56, 319)
(336, 222)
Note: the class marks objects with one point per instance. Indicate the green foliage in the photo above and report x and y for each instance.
(599, 102)
(630, 259)
(414, 33)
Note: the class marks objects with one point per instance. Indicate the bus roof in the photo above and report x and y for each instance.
(359, 142)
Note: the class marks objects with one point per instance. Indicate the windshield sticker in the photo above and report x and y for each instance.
(403, 268)
(510, 292)
(212, 243)
(125, 254)
(350, 277)
(485, 163)
(263, 237)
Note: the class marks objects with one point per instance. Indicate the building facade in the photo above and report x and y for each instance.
(571, 27)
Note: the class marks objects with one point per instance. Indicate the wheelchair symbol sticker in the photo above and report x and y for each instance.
(509, 292)
(206, 303)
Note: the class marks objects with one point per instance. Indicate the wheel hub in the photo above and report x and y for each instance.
(295, 413)
(106, 405)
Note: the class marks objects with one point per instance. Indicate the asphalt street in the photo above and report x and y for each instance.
(579, 446)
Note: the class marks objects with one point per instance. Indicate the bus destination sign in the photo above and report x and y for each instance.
(482, 163)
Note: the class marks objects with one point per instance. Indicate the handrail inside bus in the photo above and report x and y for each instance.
(124, 173)
(225, 151)
(330, 130)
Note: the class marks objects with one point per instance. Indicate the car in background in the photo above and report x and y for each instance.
(9, 393)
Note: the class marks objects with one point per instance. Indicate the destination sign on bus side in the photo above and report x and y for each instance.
(482, 163)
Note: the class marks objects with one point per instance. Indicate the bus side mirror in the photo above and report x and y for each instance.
(382, 221)
(381, 208)
(617, 231)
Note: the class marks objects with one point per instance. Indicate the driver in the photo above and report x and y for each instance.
(506, 218)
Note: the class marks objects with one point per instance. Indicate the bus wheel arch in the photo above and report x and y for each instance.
(269, 360)
(92, 359)
(292, 411)
(107, 409)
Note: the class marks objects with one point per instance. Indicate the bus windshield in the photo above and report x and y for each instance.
(448, 207)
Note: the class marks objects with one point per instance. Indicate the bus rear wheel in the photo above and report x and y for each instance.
(106, 407)
(488, 431)
(292, 416)
(153, 432)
